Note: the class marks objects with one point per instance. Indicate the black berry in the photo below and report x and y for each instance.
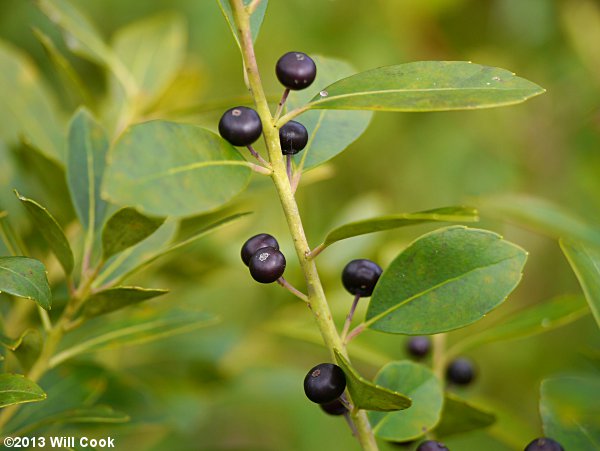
(432, 445)
(240, 126)
(544, 444)
(418, 346)
(335, 408)
(267, 265)
(461, 371)
(360, 276)
(293, 137)
(296, 70)
(255, 243)
(324, 383)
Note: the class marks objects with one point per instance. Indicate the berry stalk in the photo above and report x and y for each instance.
(316, 296)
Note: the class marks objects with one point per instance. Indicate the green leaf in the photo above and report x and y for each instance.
(83, 39)
(570, 411)
(153, 50)
(99, 414)
(330, 132)
(171, 169)
(446, 279)
(528, 322)
(585, 262)
(26, 278)
(126, 228)
(15, 389)
(113, 299)
(378, 224)
(541, 216)
(460, 416)
(427, 86)
(29, 109)
(256, 19)
(367, 395)
(86, 160)
(426, 392)
(51, 231)
(29, 349)
(134, 329)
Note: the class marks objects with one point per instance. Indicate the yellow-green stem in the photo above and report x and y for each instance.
(316, 295)
(439, 355)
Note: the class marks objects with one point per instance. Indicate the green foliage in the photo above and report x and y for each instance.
(330, 132)
(427, 86)
(256, 19)
(126, 228)
(170, 169)
(585, 262)
(51, 231)
(460, 416)
(425, 390)
(113, 299)
(369, 396)
(26, 278)
(445, 280)
(569, 413)
(15, 389)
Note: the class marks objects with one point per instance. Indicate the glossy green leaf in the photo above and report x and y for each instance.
(51, 231)
(134, 329)
(371, 225)
(131, 258)
(29, 110)
(444, 280)
(86, 161)
(460, 416)
(256, 19)
(26, 278)
(113, 299)
(330, 131)
(171, 169)
(426, 392)
(427, 86)
(570, 411)
(367, 395)
(153, 50)
(83, 39)
(585, 262)
(541, 216)
(528, 322)
(16, 389)
(126, 228)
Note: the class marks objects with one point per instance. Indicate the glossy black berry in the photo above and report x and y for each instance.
(432, 445)
(335, 408)
(324, 383)
(461, 371)
(296, 70)
(544, 444)
(267, 265)
(360, 276)
(418, 346)
(240, 126)
(293, 137)
(255, 243)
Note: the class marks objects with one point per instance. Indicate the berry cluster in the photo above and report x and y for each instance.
(262, 256)
(324, 384)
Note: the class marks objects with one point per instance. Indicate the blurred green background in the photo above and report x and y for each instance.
(237, 385)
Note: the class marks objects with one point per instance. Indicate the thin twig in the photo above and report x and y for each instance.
(288, 286)
(256, 155)
(252, 6)
(316, 251)
(288, 166)
(284, 97)
(354, 333)
(350, 316)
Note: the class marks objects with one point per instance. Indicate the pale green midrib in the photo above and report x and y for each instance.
(311, 141)
(333, 97)
(26, 279)
(332, 238)
(192, 167)
(433, 288)
(89, 155)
